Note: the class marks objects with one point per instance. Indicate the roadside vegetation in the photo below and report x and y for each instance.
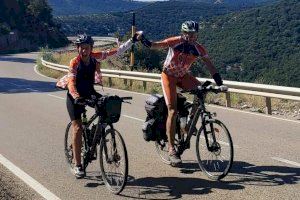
(284, 108)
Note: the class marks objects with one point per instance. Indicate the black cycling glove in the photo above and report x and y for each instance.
(146, 42)
(218, 79)
(79, 101)
(134, 38)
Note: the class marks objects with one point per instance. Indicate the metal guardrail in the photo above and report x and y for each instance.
(267, 91)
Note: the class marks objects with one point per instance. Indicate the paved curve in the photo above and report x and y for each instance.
(33, 118)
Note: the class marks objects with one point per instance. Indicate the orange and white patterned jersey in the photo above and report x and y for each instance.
(181, 55)
(69, 80)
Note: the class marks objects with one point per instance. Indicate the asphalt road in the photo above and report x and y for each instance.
(33, 118)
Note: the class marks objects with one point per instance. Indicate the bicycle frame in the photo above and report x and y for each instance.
(205, 116)
(97, 135)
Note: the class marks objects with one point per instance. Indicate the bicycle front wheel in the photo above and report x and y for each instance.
(113, 161)
(214, 152)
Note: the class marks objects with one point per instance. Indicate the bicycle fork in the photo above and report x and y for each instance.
(211, 143)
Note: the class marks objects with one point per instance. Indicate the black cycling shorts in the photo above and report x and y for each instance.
(74, 110)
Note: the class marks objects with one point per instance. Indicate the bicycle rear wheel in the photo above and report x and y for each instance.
(215, 162)
(113, 161)
(162, 147)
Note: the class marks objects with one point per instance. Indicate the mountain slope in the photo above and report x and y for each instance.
(80, 7)
(263, 42)
(158, 20)
(31, 22)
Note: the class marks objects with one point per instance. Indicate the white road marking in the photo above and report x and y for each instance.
(33, 90)
(133, 118)
(251, 113)
(286, 161)
(39, 188)
(58, 97)
(15, 84)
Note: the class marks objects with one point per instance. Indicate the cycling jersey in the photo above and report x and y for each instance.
(181, 55)
(69, 81)
(80, 77)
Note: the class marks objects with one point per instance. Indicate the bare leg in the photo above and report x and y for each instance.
(77, 141)
(171, 125)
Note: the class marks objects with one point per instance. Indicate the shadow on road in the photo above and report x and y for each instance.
(18, 85)
(12, 58)
(242, 174)
(249, 174)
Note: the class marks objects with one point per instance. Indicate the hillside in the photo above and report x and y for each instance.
(260, 45)
(28, 24)
(81, 7)
(158, 20)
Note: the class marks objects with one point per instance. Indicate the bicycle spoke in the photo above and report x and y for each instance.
(115, 168)
(218, 158)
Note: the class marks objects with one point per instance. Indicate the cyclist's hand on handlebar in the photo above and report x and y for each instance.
(223, 88)
(80, 101)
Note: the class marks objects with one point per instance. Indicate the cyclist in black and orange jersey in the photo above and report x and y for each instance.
(84, 71)
(183, 51)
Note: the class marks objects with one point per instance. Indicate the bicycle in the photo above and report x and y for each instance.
(208, 136)
(112, 151)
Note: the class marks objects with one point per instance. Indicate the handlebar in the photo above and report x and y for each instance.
(207, 87)
(93, 100)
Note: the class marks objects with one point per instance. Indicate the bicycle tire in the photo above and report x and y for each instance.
(211, 167)
(68, 147)
(162, 149)
(113, 159)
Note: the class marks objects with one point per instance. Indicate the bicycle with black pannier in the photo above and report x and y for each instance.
(214, 146)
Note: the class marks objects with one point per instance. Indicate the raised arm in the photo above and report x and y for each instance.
(154, 45)
(101, 55)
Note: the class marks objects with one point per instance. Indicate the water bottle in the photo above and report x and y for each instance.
(183, 121)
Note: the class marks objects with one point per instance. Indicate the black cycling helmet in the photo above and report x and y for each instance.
(84, 39)
(190, 26)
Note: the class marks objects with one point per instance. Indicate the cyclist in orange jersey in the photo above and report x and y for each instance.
(183, 51)
(84, 71)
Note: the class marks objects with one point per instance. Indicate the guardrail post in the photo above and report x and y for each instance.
(109, 82)
(144, 85)
(131, 83)
(268, 106)
(125, 82)
(228, 100)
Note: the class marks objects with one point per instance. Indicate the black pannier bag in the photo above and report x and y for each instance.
(154, 128)
(155, 106)
(110, 108)
(155, 125)
(149, 130)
